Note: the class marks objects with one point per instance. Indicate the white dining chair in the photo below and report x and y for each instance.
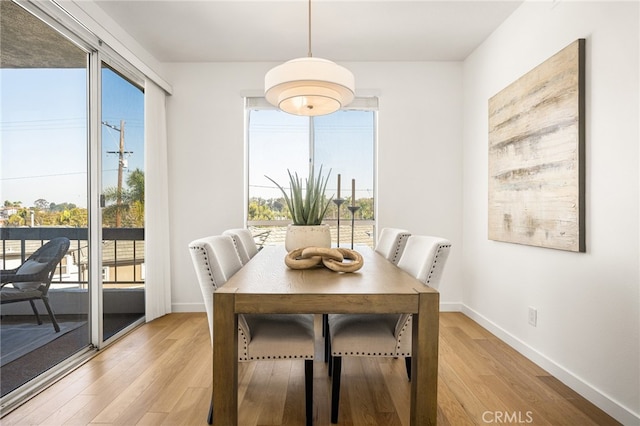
(260, 337)
(391, 243)
(388, 335)
(244, 242)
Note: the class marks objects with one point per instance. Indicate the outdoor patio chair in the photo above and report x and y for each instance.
(31, 280)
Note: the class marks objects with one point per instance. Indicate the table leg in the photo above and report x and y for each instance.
(225, 360)
(424, 361)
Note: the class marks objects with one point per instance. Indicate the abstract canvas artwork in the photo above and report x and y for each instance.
(536, 155)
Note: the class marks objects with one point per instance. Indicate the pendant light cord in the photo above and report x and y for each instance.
(309, 52)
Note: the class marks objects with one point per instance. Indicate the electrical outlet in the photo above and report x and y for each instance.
(533, 316)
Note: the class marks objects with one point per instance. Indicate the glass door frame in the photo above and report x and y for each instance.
(51, 14)
(97, 53)
(97, 299)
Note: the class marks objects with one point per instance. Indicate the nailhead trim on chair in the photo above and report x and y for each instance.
(241, 334)
(363, 353)
(279, 357)
(408, 321)
(399, 339)
(246, 356)
(435, 260)
(206, 261)
(401, 239)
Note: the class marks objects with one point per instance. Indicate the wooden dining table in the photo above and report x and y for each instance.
(266, 285)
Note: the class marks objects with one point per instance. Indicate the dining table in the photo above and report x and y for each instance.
(265, 285)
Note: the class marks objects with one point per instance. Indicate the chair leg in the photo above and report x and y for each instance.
(210, 416)
(308, 390)
(407, 363)
(327, 351)
(325, 333)
(35, 312)
(335, 388)
(324, 324)
(45, 300)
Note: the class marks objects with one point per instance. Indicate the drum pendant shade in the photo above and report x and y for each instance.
(309, 86)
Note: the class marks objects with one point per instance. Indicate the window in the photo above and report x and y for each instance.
(341, 143)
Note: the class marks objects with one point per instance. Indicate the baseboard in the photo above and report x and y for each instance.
(188, 307)
(600, 400)
(451, 307)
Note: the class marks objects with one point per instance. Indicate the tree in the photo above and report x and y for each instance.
(135, 182)
(366, 208)
(41, 204)
(21, 218)
(61, 207)
(75, 217)
(130, 211)
(259, 211)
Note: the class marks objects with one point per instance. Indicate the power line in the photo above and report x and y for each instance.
(44, 176)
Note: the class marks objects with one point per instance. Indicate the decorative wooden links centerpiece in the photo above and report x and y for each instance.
(332, 258)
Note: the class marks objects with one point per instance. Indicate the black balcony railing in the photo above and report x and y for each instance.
(122, 252)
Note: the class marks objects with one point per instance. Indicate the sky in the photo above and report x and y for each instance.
(343, 144)
(43, 139)
(43, 133)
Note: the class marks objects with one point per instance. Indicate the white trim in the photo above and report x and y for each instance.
(188, 307)
(616, 410)
(451, 307)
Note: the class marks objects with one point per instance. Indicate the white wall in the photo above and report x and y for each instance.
(419, 157)
(588, 318)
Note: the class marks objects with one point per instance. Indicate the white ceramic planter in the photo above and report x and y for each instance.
(300, 236)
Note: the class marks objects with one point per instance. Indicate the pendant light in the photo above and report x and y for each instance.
(309, 86)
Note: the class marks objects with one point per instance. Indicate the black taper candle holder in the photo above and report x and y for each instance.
(338, 202)
(353, 210)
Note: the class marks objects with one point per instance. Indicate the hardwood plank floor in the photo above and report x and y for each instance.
(160, 374)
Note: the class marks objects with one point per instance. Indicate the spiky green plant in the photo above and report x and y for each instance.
(306, 208)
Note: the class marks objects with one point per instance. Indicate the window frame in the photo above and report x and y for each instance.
(359, 104)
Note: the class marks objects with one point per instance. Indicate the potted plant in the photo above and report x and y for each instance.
(307, 207)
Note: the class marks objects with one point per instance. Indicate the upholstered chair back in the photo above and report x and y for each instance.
(424, 257)
(244, 242)
(391, 243)
(215, 260)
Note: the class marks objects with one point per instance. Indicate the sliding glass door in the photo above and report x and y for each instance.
(44, 186)
(71, 165)
(122, 268)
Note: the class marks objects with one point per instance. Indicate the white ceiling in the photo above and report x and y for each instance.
(268, 30)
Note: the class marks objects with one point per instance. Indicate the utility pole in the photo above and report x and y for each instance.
(121, 152)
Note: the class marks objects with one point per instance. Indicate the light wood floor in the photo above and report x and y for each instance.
(160, 374)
